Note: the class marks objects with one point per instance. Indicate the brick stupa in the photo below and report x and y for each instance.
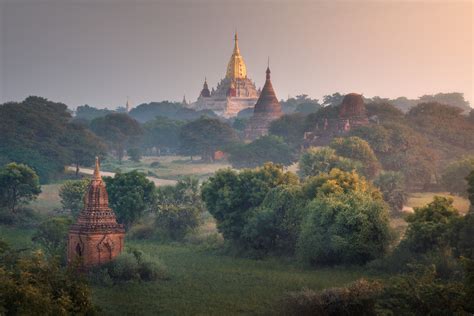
(267, 109)
(96, 237)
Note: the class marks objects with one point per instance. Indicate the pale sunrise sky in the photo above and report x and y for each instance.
(99, 52)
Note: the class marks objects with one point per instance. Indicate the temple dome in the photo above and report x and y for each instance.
(352, 105)
(268, 102)
(236, 68)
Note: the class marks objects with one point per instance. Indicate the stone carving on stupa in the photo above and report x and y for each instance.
(96, 237)
(267, 109)
(234, 93)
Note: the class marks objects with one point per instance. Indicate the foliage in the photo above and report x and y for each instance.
(358, 298)
(275, 224)
(358, 149)
(383, 112)
(463, 235)
(131, 194)
(174, 111)
(179, 208)
(422, 293)
(162, 133)
(72, 195)
(205, 136)
(32, 284)
(349, 228)
(392, 186)
(322, 160)
(89, 113)
(51, 235)
(301, 103)
(129, 266)
(470, 190)
(290, 127)
(135, 154)
(454, 177)
(231, 197)
(19, 184)
(430, 227)
(119, 130)
(264, 149)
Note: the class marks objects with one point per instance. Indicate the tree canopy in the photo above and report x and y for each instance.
(19, 184)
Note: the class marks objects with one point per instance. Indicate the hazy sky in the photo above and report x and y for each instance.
(100, 52)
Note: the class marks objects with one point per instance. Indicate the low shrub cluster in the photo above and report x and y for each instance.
(129, 266)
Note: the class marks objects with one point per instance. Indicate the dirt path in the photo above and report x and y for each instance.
(158, 182)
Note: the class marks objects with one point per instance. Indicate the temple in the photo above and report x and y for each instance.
(350, 114)
(267, 109)
(234, 93)
(96, 237)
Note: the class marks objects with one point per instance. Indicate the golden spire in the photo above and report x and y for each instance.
(236, 68)
(97, 169)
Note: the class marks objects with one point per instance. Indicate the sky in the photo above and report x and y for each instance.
(99, 52)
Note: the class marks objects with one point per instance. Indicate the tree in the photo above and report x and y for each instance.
(162, 133)
(470, 190)
(72, 194)
(19, 184)
(205, 136)
(290, 127)
(454, 177)
(90, 113)
(430, 227)
(322, 160)
(119, 130)
(135, 154)
(344, 228)
(83, 145)
(32, 284)
(51, 235)
(358, 149)
(334, 99)
(392, 186)
(262, 150)
(131, 194)
(230, 196)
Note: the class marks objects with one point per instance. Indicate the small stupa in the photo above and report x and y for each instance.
(96, 237)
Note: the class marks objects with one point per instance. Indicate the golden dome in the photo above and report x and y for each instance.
(236, 68)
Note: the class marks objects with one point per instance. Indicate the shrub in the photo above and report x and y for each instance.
(430, 227)
(322, 160)
(51, 235)
(454, 177)
(359, 298)
(175, 221)
(24, 217)
(392, 186)
(344, 228)
(127, 267)
(72, 195)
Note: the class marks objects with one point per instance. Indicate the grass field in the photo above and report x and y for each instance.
(423, 198)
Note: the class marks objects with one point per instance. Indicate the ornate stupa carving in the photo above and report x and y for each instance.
(267, 109)
(234, 93)
(96, 237)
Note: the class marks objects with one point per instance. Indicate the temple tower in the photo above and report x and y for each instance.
(267, 109)
(96, 237)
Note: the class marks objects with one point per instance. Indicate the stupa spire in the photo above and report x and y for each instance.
(97, 169)
(236, 68)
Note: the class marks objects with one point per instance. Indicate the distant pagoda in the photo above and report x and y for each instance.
(96, 237)
(234, 93)
(266, 110)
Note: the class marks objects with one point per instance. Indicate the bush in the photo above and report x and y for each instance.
(322, 160)
(359, 298)
(72, 195)
(24, 217)
(51, 235)
(142, 231)
(392, 186)
(128, 267)
(349, 228)
(454, 177)
(175, 221)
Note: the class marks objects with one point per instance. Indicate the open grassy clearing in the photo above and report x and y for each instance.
(169, 167)
(422, 198)
(48, 200)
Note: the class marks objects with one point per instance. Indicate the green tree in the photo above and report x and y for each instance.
(358, 149)
(291, 127)
(32, 284)
(344, 228)
(162, 133)
(135, 154)
(262, 150)
(51, 235)
(19, 184)
(119, 130)
(231, 197)
(322, 160)
(454, 177)
(430, 227)
(470, 189)
(72, 194)
(392, 186)
(131, 195)
(205, 136)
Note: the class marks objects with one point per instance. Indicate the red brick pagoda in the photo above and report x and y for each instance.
(96, 237)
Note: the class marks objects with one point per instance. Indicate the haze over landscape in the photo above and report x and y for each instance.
(100, 52)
